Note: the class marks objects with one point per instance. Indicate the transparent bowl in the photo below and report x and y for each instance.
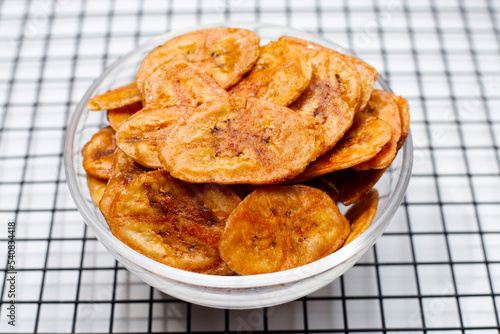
(233, 292)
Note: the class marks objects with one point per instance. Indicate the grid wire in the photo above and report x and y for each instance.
(437, 267)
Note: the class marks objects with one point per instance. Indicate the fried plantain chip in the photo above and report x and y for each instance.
(96, 188)
(280, 75)
(173, 222)
(404, 112)
(282, 227)
(367, 74)
(348, 185)
(331, 99)
(240, 141)
(140, 135)
(123, 171)
(365, 139)
(224, 53)
(383, 106)
(180, 83)
(361, 214)
(98, 153)
(119, 115)
(116, 98)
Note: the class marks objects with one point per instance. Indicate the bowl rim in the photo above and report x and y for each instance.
(338, 257)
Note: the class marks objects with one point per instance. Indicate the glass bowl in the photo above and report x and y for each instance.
(233, 292)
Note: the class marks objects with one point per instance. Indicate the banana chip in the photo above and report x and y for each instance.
(124, 170)
(115, 98)
(119, 115)
(383, 106)
(282, 227)
(404, 112)
(331, 99)
(348, 185)
(141, 134)
(173, 222)
(96, 188)
(365, 139)
(280, 75)
(361, 215)
(98, 153)
(240, 141)
(367, 74)
(180, 83)
(224, 53)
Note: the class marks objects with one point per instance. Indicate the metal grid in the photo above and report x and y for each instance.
(436, 268)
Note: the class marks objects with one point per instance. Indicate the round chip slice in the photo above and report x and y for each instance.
(96, 188)
(224, 53)
(332, 98)
(119, 115)
(124, 170)
(383, 106)
(240, 141)
(365, 139)
(282, 227)
(280, 75)
(141, 134)
(116, 98)
(98, 153)
(180, 83)
(173, 222)
(361, 215)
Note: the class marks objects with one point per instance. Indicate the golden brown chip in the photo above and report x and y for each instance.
(331, 99)
(404, 112)
(140, 135)
(361, 215)
(123, 171)
(348, 185)
(224, 53)
(96, 188)
(282, 227)
(119, 115)
(98, 153)
(280, 75)
(116, 98)
(367, 74)
(180, 83)
(383, 106)
(240, 141)
(366, 137)
(173, 222)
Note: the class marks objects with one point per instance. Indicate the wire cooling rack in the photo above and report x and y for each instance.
(437, 268)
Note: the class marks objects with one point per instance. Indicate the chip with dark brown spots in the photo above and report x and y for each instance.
(282, 227)
(241, 141)
(224, 53)
(98, 153)
(173, 222)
